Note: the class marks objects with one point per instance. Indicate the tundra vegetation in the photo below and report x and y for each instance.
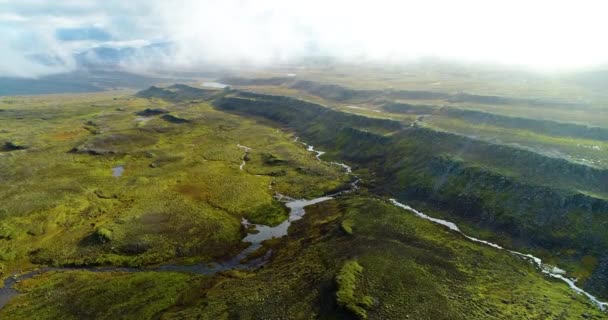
(182, 193)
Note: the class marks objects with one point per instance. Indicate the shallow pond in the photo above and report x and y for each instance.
(118, 171)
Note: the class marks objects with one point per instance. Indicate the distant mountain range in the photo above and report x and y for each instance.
(96, 69)
(595, 79)
(75, 82)
(113, 57)
(112, 64)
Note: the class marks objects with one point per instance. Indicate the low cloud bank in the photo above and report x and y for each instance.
(42, 37)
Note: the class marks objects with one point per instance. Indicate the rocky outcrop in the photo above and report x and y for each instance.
(174, 119)
(238, 81)
(407, 108)
(115, 144)
(301, 114)
(598, 282)
(547, 127)
(12, 146)
(151, 112)
(501, 100)
(179, 92)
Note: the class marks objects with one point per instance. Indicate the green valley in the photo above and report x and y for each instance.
(140, 206)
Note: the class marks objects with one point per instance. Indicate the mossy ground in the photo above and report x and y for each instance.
(347, 281)
(181, 193)
(181, 197)
(512, 196)
(393, 265)
(99, 295)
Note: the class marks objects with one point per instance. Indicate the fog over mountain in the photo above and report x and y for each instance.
(42, 37)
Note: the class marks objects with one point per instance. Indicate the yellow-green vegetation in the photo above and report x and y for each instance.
(448, 78)
(517, 197)
(586, 151)
(393, 266)
(98, 295)
(414, 267)
(533, 122)
(346, 296)
(102, 181)
(120, 180)
(347, 226)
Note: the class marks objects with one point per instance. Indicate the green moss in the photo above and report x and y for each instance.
(347, 226)
(347, 280)
(270, 214)
(7, 232)
(411, 267)
(525, 196)
(92, 295)
(104, 235)
(181, 194)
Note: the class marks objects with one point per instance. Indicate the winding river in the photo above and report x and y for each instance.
(549, 270)
(259, 233)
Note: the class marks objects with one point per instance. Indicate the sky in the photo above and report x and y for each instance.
(40, 37)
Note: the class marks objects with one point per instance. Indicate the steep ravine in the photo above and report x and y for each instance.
(551, 271)
(505, 192)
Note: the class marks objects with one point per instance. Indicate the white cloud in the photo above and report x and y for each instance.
(542, 33)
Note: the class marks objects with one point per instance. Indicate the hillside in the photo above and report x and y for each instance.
(178, 202)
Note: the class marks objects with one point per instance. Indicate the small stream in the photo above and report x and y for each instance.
(247, 150)
(296, 212)
(549, 270)
(259, 233)
(312, 149)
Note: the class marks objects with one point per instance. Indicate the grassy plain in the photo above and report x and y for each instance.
(181, 195)
(181, 192)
